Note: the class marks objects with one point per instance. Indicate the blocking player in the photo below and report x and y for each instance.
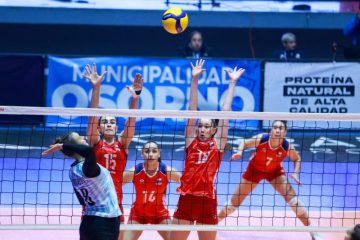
(205, 144)
(111, 151)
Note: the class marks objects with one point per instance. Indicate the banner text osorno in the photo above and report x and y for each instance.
(166, 86)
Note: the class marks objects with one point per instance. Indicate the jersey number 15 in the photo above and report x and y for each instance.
(110, 160)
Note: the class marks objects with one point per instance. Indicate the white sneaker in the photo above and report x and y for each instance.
(315, 236)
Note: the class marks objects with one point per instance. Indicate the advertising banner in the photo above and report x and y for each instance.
(313, 88)
(166, 86)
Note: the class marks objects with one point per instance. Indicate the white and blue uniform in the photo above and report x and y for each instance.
(97, 194)
(95, 190)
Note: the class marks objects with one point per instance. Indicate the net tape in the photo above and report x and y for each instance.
(54, 111)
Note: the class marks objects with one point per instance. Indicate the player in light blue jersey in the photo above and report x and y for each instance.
(94, 188)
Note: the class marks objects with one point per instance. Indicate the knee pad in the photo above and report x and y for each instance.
(297, 206)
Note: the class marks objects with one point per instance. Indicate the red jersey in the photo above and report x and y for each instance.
(267, 159)
(150, 192)
(201, 166)
(113, 157)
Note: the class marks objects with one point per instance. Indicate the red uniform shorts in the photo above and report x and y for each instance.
(254, 175)
(140, 217)
(197, 208)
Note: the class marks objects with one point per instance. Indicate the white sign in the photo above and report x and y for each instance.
(313, 88)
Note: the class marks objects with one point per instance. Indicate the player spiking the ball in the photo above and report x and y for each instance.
(93, 186)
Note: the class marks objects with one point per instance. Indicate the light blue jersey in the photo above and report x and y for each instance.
(97, 194)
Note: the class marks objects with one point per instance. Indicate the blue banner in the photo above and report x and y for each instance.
(166, 86)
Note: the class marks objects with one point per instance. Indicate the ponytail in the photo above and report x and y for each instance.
(215, 124)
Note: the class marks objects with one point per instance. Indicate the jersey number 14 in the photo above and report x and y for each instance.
(149, 197)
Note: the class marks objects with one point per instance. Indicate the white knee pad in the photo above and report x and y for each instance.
(297, 206)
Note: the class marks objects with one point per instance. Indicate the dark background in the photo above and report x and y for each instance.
(28, 35)
(154, 41)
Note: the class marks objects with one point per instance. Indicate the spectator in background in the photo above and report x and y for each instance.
(352, 29)
(289, 52)
(353, 234)
(346, 6)
(195, 48)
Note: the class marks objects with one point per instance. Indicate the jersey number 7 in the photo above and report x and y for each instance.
(268, 160)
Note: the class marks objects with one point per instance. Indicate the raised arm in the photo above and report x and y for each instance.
(173, 174)
(93, 122)
(90, 167)
(221, 135)
(247, 143)
(190, 128)
(127, 134)
(128, 175)
(295, 157)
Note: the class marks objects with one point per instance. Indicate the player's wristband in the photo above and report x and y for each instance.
(134, 93)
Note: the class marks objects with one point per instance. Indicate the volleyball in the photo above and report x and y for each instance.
(175, 20)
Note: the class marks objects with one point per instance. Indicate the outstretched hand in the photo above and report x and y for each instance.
(235, 74)
(91, 74)
(53, 148)
(198, 69)
(295, 177)
(137, 85)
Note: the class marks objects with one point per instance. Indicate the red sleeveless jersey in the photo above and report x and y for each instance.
(150, 192)
(113, 157)
(201, 166)
(267, 159)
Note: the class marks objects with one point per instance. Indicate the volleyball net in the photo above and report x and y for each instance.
(36, 193)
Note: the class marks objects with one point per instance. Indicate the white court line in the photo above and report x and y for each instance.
(19, 147)
(171, 227)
